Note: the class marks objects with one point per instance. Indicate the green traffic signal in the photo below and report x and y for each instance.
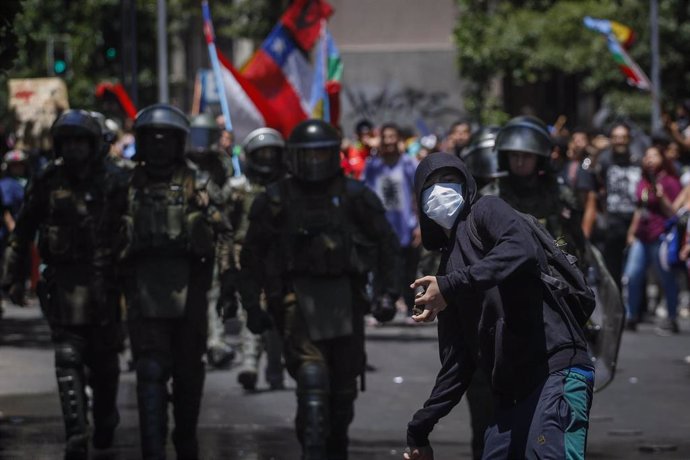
(111, 53)
(60, 67)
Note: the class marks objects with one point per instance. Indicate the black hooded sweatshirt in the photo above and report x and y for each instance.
(496, 317)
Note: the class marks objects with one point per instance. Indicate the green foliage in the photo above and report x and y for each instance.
(92, 27)
(530, 40)
(9, 9)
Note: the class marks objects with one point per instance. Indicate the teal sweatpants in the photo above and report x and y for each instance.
(551, 423)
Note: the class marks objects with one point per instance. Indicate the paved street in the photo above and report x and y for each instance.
(646, 408)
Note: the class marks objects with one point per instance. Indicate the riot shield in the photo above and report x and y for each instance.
(605, 327)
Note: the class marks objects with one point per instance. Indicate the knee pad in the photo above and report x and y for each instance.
(312, 376)
(68, 356)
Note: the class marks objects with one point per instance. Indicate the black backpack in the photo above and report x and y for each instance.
(560, 275)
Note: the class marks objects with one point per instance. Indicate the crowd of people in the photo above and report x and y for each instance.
(134, 228)
(621, 193)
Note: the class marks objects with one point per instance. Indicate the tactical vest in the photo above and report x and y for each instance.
(162, 221)
(68, 244)
(67, 235)
(554, 206)
(317, 232)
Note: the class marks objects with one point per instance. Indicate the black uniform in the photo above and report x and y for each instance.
(78, 292)
(311, 241)
(168, 256)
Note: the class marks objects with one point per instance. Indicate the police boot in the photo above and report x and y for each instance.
(188, 385)
(220, 355)
(342, 413)
(251, 353)
(312, 410)
(152, 399)
(70, 379)
(104, 382)
(274, 359)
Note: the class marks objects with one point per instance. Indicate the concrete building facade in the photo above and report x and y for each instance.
(400, 62)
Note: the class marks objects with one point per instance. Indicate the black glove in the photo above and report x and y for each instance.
(258, 320)
(384, 310)
(16, 293)
(228, 303)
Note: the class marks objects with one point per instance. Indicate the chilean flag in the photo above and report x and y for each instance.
(250, 109)
(282, 74)
(303, 18)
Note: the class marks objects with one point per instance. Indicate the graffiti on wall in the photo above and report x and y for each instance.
(406, 106)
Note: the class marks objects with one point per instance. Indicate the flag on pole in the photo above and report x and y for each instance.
(282, 73)
(213, 55)
(618, 37)
(303, 19)
(328, 72)
(250, 109)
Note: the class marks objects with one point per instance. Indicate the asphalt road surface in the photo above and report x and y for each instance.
(643, 414)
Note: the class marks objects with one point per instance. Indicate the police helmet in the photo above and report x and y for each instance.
(162, 116)
(77, 123)
(525, 134)
(203, 132)
(479, 155)
(264, 152)
(314, 151)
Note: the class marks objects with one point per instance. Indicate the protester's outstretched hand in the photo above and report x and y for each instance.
(432, 301)
(419, 453)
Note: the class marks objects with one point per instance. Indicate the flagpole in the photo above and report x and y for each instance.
(656, 79)
(324, 51)
(215, 64)
(162, 53)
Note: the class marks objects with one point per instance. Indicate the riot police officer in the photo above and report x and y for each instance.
(264, 150)
(214, 169)
(482, 161)
(312, 238)
(65, 204)
(524, 147)
(168, 255)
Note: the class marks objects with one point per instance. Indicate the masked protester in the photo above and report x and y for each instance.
(313, 237)
(78, 291)
(494, 314)
(171, 236)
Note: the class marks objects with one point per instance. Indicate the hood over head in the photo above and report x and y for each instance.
(433, 236)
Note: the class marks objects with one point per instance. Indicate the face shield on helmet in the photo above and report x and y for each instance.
(265, 164)
(264, 151)
(162, 147)
(77, 140)
(314, 151)
(161, 132)
(524, 135)
(479, 155)
(204, 133)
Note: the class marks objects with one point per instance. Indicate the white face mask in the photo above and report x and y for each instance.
(442, 203)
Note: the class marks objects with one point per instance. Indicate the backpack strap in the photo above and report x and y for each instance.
(474, 233)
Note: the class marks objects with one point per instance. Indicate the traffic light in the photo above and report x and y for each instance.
(111, 53)
(59, 57)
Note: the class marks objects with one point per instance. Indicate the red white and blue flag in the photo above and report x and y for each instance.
(274, 88)
(282, 73)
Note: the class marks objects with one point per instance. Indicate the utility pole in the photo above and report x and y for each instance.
(656, 79)
(129, 49)
(162, 53)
